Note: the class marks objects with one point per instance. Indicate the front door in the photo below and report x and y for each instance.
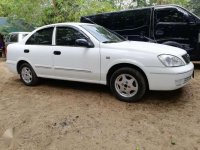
(171, 24)
(74, 62)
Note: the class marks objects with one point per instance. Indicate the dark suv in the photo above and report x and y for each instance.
(168, 24)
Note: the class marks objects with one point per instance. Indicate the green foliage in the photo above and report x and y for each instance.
(177, 2)
(40, 12)
(194, 5)
(12, 25)
(24, 9)
(71, 10)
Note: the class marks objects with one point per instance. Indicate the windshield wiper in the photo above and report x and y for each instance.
(111, 41)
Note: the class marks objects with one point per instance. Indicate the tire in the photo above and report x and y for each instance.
(128, 84)
(28, 75)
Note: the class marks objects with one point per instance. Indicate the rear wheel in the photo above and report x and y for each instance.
(128, 84)
(28, 75)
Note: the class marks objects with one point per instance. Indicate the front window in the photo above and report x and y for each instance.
(170, 15)
(101, 34)
(66, 36)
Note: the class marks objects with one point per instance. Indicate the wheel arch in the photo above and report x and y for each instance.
(121, 65)
(19, 63)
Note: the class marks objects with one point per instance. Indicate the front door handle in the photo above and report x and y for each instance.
(56, 52)
(26, 51)
(160, 32)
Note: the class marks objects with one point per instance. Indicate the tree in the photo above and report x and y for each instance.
(194, 5)
(177, 2)
(40, 12)
(28, 10)
(72, 10)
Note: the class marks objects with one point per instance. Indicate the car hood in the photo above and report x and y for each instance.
(145, 47)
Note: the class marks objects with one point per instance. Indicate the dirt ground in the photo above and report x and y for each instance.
(61, 115)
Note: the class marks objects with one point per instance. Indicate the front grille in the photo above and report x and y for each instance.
(186, 58)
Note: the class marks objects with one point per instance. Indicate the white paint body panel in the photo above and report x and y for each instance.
(77, 63)
(92, 64)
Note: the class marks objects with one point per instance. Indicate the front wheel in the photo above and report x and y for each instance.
(128, 84)
(28, 75)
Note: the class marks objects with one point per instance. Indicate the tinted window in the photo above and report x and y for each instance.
(121, 20)
(170, 15)
(66, 36)
(131, 19)
(41, 37)
(14, 38)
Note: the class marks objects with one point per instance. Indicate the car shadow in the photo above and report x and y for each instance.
(164, 96)
(62, 84)
(150, 97)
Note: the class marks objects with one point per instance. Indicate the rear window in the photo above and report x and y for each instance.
(14, 38)
(131, 19)
(170, 15)
(41, 37)
(122, 20)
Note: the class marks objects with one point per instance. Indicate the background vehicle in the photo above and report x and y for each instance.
(14, 37)
(90, 53)
(2, 45)
(168, 24)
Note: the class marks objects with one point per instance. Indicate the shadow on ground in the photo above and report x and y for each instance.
(150, 96)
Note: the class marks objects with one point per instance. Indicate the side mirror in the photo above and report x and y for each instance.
(84, 43)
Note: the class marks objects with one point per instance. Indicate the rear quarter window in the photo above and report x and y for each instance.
(41, 37)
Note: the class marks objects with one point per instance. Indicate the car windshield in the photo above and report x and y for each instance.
(102, 35)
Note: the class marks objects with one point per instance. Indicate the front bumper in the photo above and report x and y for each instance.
(163, 78)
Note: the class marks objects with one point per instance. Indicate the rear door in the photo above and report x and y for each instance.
(38, 51)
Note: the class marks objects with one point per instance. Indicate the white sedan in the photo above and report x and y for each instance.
(90, 53)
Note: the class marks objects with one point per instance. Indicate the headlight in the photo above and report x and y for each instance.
(170, 60)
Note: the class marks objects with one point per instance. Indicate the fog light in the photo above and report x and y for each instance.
(179, 82)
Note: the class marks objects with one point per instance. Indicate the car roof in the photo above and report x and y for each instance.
(170, 5)
(141, 8)
(65, 24)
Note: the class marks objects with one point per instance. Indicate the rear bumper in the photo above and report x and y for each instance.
(169, 78)
(12, 66)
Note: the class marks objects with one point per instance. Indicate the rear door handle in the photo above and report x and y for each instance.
(26, 51)
(56, 52)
